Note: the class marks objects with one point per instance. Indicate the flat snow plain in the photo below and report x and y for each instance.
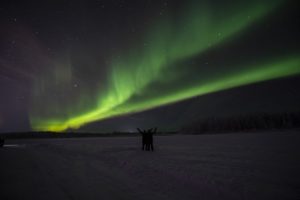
(221, 166)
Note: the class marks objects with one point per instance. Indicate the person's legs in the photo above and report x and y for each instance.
(151, 145)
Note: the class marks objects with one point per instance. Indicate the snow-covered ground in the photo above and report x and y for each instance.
(229, 166)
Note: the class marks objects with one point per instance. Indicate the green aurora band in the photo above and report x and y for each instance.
(147, 77)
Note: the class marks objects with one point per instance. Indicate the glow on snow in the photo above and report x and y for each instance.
(132, 75)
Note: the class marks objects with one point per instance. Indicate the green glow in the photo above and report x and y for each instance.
(139, 78)
(260, 73)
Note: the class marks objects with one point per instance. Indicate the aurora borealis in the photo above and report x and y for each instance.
(125, 57)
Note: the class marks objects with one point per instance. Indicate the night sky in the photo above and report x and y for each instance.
(114, 65)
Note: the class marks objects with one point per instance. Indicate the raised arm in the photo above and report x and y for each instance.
(140, 131)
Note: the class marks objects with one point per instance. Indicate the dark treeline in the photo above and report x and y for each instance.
(244, 123)
(32, 135)
(40, 135)
(210, 125)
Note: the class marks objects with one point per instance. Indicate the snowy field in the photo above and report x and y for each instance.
(230, 166)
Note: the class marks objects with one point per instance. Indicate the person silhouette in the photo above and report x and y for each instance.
(147, 139)
(144, 139)
(1, 142)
